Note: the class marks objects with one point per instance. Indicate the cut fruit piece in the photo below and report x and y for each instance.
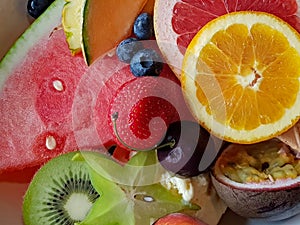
(259, 180)
(72, 19)
(106, 23)
(182, 19)
(38, 78)
(131, 194)
(61, 192)
(149, 7)
(241, 76)
(109, 87)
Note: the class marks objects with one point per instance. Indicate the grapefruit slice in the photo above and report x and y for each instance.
(241, 76)
(106, 23)
(177, 21)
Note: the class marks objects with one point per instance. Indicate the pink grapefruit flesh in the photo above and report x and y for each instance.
(177, 21)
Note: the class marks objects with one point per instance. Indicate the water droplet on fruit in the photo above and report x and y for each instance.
(143, 197)
(50, 143)
(58, 85)
(148, 199)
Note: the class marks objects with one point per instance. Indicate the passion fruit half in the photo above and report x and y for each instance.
(259, 180)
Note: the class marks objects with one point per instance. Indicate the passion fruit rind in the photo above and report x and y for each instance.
(271, 200)
(265, 203)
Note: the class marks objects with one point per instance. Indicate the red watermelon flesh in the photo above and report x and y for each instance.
(190, 15)
(33, 111)
(53, 103)
(109, 87)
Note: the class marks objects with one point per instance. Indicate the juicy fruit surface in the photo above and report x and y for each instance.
(182, 20)
(36, 103)
(109, 87)
(267, 161)
(65, 101)
(234, 82)
(269, 198)
(56, 190)
(130, 194)
(72, 19)
(97, 41)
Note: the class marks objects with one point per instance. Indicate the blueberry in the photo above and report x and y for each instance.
(143, 26)
(146, 62)
(127, 49)
(36, 7)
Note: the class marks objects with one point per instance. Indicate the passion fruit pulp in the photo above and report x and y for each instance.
(243, 178)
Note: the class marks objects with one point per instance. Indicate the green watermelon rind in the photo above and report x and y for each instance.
(42, 26)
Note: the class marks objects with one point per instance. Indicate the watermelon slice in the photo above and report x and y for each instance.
(38, 79)
(51, 102)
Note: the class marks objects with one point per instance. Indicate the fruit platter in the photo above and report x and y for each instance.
(151, 112)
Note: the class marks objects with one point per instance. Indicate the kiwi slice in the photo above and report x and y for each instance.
(61, 192)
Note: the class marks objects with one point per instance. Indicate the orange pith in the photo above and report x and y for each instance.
(245, 76)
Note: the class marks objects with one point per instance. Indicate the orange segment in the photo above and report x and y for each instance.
(241, 76)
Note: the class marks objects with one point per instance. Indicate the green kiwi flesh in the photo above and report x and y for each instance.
(60, 193)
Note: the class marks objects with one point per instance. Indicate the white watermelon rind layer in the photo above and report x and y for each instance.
(42, 26)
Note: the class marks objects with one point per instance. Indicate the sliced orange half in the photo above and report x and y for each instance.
(241, 76)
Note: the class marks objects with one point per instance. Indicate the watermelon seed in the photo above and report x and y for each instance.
(50, 142)
(57, 84)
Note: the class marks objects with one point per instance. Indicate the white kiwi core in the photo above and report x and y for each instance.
(78, 205)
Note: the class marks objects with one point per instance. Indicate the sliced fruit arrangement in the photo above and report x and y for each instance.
(69, 105)
(182, 20)
(241, 76)
(128, 104)
(80, 22)
(80, 179)
(145, 99)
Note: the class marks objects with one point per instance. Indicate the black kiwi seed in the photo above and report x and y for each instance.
(63, 184)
